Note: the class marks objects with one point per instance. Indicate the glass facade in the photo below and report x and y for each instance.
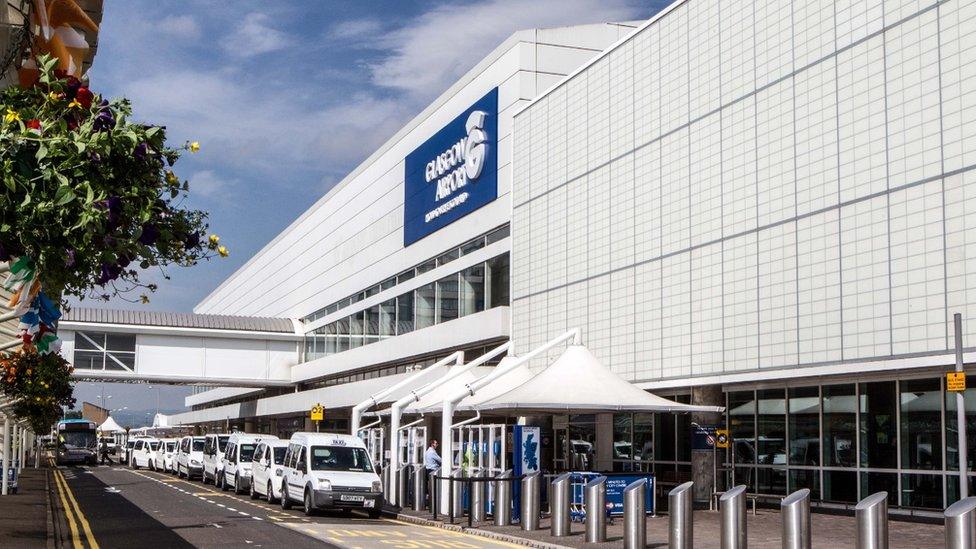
(845, 441)
(104, 351)
(657, 443)
(453, 296)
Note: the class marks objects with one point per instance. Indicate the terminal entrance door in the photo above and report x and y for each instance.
(413, 443)
(375, 440)
(481, 448)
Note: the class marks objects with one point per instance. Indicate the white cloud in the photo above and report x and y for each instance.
(356, 30)
(208, 183)
(180, 26)
(434, 49)
(254, 36)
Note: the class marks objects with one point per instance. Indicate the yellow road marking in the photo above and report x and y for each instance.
(75, 538)
(457, 534)
(81, 517)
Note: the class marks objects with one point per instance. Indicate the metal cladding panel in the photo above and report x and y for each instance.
(179, 320)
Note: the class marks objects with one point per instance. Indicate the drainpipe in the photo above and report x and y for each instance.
(451, 401)
(357, 410)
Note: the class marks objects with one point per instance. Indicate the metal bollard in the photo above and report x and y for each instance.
(559, 506)
(795, 513)
(435, 486)
(635, 514)
(960, 524)
(457, 491)
(681, 525)
(732, 527)
(385, 478)
(531, 501)
(419, 487)
(402, 478)
(595, 496)
(503, 498)
(477, 496)
(872, 521)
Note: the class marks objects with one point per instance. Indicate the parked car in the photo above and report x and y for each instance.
(236, 467)
(213, 457)
(266, 469)
(330, 471)
(189, 457)
(162, 459)
(143, 450)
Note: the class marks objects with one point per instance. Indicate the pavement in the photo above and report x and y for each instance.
(25, 520)
(116, 507)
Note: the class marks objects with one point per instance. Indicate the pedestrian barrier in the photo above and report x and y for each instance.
(680, 523)
(559, 505)
(503, 498)
(732, 522)
(531, 501)
(871, 514)
(595, 493)
(960, 524)
(795, 514)
(635, 511)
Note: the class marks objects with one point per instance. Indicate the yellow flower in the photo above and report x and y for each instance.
(74, 104)
(11, 116)
(53, 96)
(195, 146)
(214, 239)
(144, 299)
(222, 250)
(171, 178)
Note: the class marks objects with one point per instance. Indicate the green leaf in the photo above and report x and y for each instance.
(41, 152)
(64, 195)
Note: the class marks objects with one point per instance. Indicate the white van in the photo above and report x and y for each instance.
(266, 469)
(213, 457)
(189, 457)
(330, 471)
(142, 452)
(162, 458)
(236, 467)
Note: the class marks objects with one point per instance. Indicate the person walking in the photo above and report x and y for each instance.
(103, 450)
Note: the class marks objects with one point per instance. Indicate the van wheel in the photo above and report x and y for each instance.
(203, 476)
(223, 483)
(179, 472)
(285, 504)
(309, 508)
(254, 495)
(270, 493)
(237, 485)
(135, 464)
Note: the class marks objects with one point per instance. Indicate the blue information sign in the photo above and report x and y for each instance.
(453, 173)
(615, 492)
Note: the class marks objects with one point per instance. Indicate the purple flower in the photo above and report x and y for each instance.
(103, 122)
(150, 233)
(192, 241)
(72, 87)
(114, 206)
(69, 258)
(109, 272)
(140, 152)
(95, 158)
(124, 260)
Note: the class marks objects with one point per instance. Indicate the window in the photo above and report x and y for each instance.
(499, 234)
(921, 424)
(104, 351)
(447, 298)
(246, 451)
(498, 281)
(473, 289)
(448, 257)
(804, 410)
(404, 321)
(372, 324)
(742, 411)
(839, 442)
(878, 437)
(426, 304)
(473, 245)
(387, 318)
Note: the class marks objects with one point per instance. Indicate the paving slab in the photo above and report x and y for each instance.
(25, 516)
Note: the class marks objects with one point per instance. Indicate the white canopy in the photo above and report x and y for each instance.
(433, 400)
(505, 383)
(110, 426)
(578, 381)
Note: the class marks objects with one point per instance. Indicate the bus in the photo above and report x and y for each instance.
(77, 441)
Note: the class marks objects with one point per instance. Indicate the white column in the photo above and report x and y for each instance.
(22, 455)
(4, 487)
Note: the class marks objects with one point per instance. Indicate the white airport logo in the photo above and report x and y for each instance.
(462, 162)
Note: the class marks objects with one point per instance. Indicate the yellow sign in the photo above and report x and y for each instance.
(721, 438)
(956, 381)
(317, 413)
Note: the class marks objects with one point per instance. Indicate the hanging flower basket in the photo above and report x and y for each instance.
(40, 383)
(89, 196)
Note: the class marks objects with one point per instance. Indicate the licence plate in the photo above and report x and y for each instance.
(351, 498)
(368, 503)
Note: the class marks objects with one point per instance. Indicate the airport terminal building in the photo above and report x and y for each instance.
(767, 206)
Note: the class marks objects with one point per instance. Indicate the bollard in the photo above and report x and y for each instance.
(960, 524)
(681, 530)
(477, 496)
(503, 498)
(457, 492)
(402, 483)
(732, 527)
(559, 506)
(435, 487)
(635, 514)
(872, 521)
(531, 501)
(595, 496)
(794, 511)
(419, 487)
(385, 478)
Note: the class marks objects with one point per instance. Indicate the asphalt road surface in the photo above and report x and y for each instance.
(115, 507)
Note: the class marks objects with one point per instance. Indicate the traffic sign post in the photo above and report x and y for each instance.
(317, 414)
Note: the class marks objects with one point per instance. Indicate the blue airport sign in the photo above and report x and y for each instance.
(453, 173)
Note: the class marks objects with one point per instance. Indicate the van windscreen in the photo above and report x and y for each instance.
(279, 455)
(222, 442)
(247, 452)
(339, 458)
(198, 445)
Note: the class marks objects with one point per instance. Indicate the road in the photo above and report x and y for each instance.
(115, 507)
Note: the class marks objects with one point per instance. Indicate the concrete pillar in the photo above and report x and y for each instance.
(603, 454)
(4, 487)
(703, 461)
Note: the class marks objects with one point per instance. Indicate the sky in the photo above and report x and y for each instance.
(286, 98)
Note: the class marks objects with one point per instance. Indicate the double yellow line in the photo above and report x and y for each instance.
(74, 515)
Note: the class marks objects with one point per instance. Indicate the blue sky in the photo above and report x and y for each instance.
(288, 97)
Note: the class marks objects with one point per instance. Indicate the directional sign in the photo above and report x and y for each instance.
(956, 381)
(317, 413)
(721, 438)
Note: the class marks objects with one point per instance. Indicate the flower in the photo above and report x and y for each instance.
(214, 239)
(34, 125)
(149, 234)
(104, 121)
(74, 104)
(55, 96)
(171, 178)
(222, 250)
(195, 146)
(140, 151)
(11, 116)
(144, 299)
(84, 96)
